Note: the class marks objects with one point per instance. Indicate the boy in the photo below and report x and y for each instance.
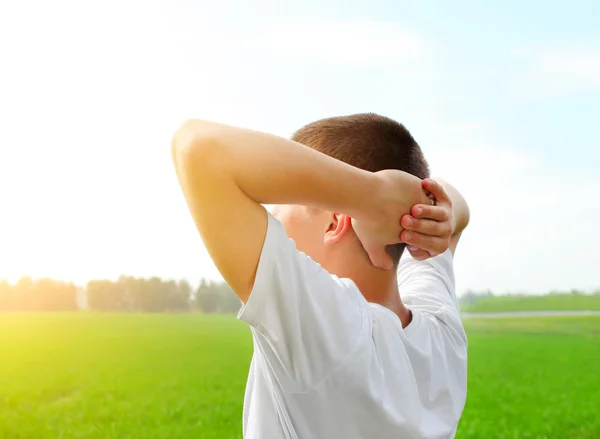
(349, 341)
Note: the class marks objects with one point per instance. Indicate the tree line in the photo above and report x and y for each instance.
(126, 294)
(132, 294)
(471, 297)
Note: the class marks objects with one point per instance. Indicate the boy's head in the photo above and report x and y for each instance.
(367, 141)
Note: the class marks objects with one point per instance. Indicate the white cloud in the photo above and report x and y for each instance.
(353, 42)
(88, 106)
(532, 228)
(90, 97)
(558, 71)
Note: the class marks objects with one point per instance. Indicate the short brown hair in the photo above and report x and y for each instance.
(370, 142)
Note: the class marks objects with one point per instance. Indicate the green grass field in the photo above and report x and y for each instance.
(549, 302)
(182, 376)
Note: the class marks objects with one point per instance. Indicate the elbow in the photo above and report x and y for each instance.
(462, 214)
(194, 143)
(466, 217)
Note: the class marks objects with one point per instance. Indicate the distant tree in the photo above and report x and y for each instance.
(216, 297)
(228, 301)
(38, 295)
(139, 294)
(24, 297)
(106, 295)
(146, 295)
(207, 297)
(181, 296)
(52, 295)
(6, 296)
(126, 286)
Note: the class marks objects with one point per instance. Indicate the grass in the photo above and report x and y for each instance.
(181, 376)
(121, 376)
(547, 302)
(533, 378)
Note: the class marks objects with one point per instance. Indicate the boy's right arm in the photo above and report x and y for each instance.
(226, 173)
(304, 320)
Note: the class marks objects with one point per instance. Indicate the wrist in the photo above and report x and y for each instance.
(365, 196)
(387, 190)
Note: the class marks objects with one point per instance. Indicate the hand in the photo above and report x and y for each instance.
(380, 226)
(429, 228)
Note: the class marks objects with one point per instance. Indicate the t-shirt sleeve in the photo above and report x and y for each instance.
(436, 343)
(304, 320)
(429, 287)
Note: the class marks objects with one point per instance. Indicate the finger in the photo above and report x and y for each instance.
(436, 190)
(437, 213)
(426, 226)
(432, 244)
(418, 254)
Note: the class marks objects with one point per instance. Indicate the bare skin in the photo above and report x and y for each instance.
(340, 216)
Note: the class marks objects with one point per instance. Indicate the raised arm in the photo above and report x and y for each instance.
(226, 173)
(460, 212)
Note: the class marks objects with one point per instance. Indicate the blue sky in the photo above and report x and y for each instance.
(502, 96)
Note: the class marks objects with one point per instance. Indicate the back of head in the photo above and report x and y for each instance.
(367, 141)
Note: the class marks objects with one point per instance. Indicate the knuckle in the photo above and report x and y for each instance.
(412, 238)
(420, 211)
(416, 240)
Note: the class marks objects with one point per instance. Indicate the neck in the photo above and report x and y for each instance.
(381, 287)
(376, 285)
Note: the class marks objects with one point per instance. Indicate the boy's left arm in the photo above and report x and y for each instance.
(431, 230)
(226, 173)
(427, 285)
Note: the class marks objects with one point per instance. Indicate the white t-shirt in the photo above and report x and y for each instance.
(327, 364)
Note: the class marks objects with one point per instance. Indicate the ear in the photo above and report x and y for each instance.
(339, 225)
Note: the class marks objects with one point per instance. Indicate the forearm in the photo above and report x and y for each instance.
(460, 208)
(226, 173)
(274, 170)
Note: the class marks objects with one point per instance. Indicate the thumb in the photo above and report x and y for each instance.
(418, 254)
